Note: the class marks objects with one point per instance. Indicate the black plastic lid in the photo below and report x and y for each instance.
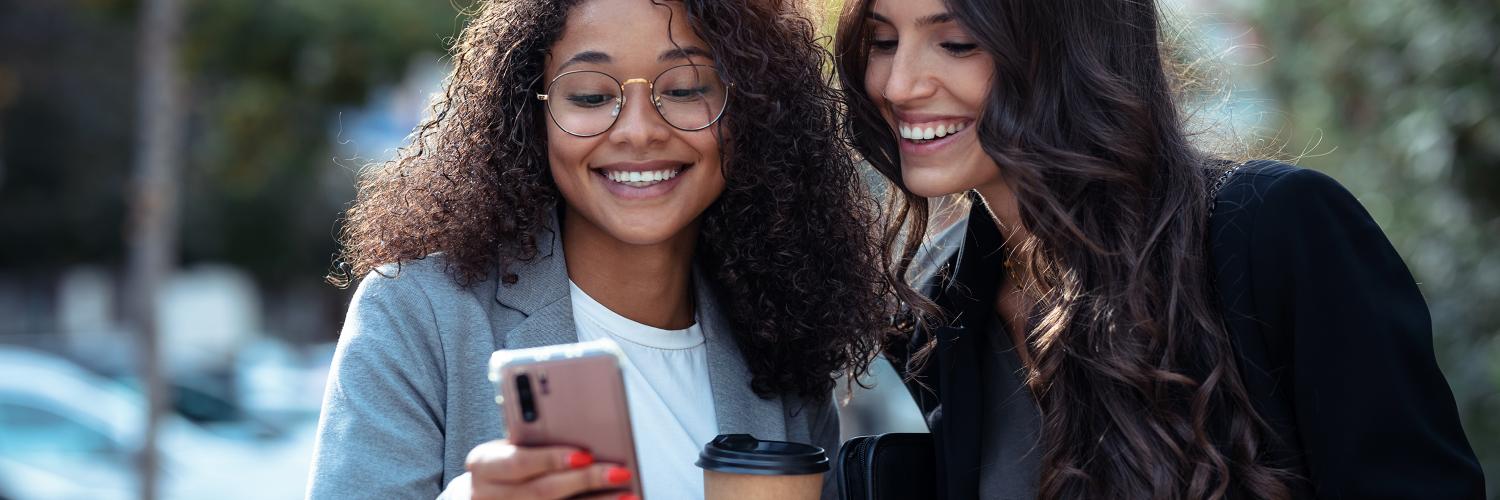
(743, 454)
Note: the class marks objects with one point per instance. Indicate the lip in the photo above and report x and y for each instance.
(627, 192)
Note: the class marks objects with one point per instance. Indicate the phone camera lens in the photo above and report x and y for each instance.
(528, 402)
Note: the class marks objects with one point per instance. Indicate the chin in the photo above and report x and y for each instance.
(642, 234)
(932, 183)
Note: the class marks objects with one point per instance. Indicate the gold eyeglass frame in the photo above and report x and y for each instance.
(624, 100)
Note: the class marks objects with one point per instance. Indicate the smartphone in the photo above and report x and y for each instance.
(567, 394)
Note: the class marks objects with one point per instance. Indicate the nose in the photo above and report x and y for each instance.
(639, 124)
(911, 77)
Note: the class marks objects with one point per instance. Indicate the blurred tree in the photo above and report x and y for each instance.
(273, 76)
(1404, 94)
(153, 203)
(262, 186)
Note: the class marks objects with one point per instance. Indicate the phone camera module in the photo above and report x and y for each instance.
(528, 401)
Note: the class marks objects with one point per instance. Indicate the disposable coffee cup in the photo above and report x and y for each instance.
(738, 466)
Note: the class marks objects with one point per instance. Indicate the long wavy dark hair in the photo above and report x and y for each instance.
(788, 245)
(1134, 371)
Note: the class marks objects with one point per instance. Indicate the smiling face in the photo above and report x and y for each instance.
(930, 80)
(641, 181)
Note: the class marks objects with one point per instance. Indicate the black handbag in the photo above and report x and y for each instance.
(887, 466)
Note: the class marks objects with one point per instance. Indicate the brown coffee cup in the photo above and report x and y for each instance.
(741, 467)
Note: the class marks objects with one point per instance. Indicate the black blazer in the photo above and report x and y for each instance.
(1333, 338)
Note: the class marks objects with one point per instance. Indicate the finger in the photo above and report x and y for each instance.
(594, 478)
(501, 462)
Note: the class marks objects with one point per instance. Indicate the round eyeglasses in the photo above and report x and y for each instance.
(586, 103)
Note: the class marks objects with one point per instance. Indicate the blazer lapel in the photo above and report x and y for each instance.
(541, 293)
(550, 325)
(971, 297)
(737, 408)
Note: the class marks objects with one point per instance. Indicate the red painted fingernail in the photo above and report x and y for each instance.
(629, 496)
(617, 475)
(579, 459)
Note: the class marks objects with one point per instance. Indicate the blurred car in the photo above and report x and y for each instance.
(67, 433)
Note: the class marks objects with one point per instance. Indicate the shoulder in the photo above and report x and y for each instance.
(1289, 227)
(429, 272)
(1271, 198)
(1270, 184)
(394, 304)
(411, 305)
(419, 283)
(1276, 221)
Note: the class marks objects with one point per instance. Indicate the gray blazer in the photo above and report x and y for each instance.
(408, 394)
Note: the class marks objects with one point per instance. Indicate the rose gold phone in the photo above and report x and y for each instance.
(569, 394)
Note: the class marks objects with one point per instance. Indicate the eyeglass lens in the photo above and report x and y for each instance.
(587, 103)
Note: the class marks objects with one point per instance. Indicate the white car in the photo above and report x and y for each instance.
(67, 433)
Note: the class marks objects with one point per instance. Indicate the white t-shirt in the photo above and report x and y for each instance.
(666, 385)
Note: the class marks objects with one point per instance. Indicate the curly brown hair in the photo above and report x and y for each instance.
(788, 245)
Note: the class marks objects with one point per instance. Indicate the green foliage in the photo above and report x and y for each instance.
(1403, 95)
(270, 77)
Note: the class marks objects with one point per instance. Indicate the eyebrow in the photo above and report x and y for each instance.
(587, 56)
(927, 20)
(684, 53)
(596, 57)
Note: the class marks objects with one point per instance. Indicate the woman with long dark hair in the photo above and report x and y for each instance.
(618, 169)
(1129, 317)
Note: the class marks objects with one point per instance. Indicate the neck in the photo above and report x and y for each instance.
(649, 284)
(1000, 201)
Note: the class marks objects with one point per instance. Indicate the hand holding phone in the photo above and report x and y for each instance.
(567, 422)
(502, 470)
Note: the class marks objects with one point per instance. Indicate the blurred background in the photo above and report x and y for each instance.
(210, 219)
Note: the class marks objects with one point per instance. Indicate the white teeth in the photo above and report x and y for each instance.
(641, 178)
(915, 133)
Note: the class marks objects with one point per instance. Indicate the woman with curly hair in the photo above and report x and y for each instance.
(1128, 317)
(605, 168)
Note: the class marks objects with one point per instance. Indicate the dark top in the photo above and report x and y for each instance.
(1333, 338)
(1009, 454)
